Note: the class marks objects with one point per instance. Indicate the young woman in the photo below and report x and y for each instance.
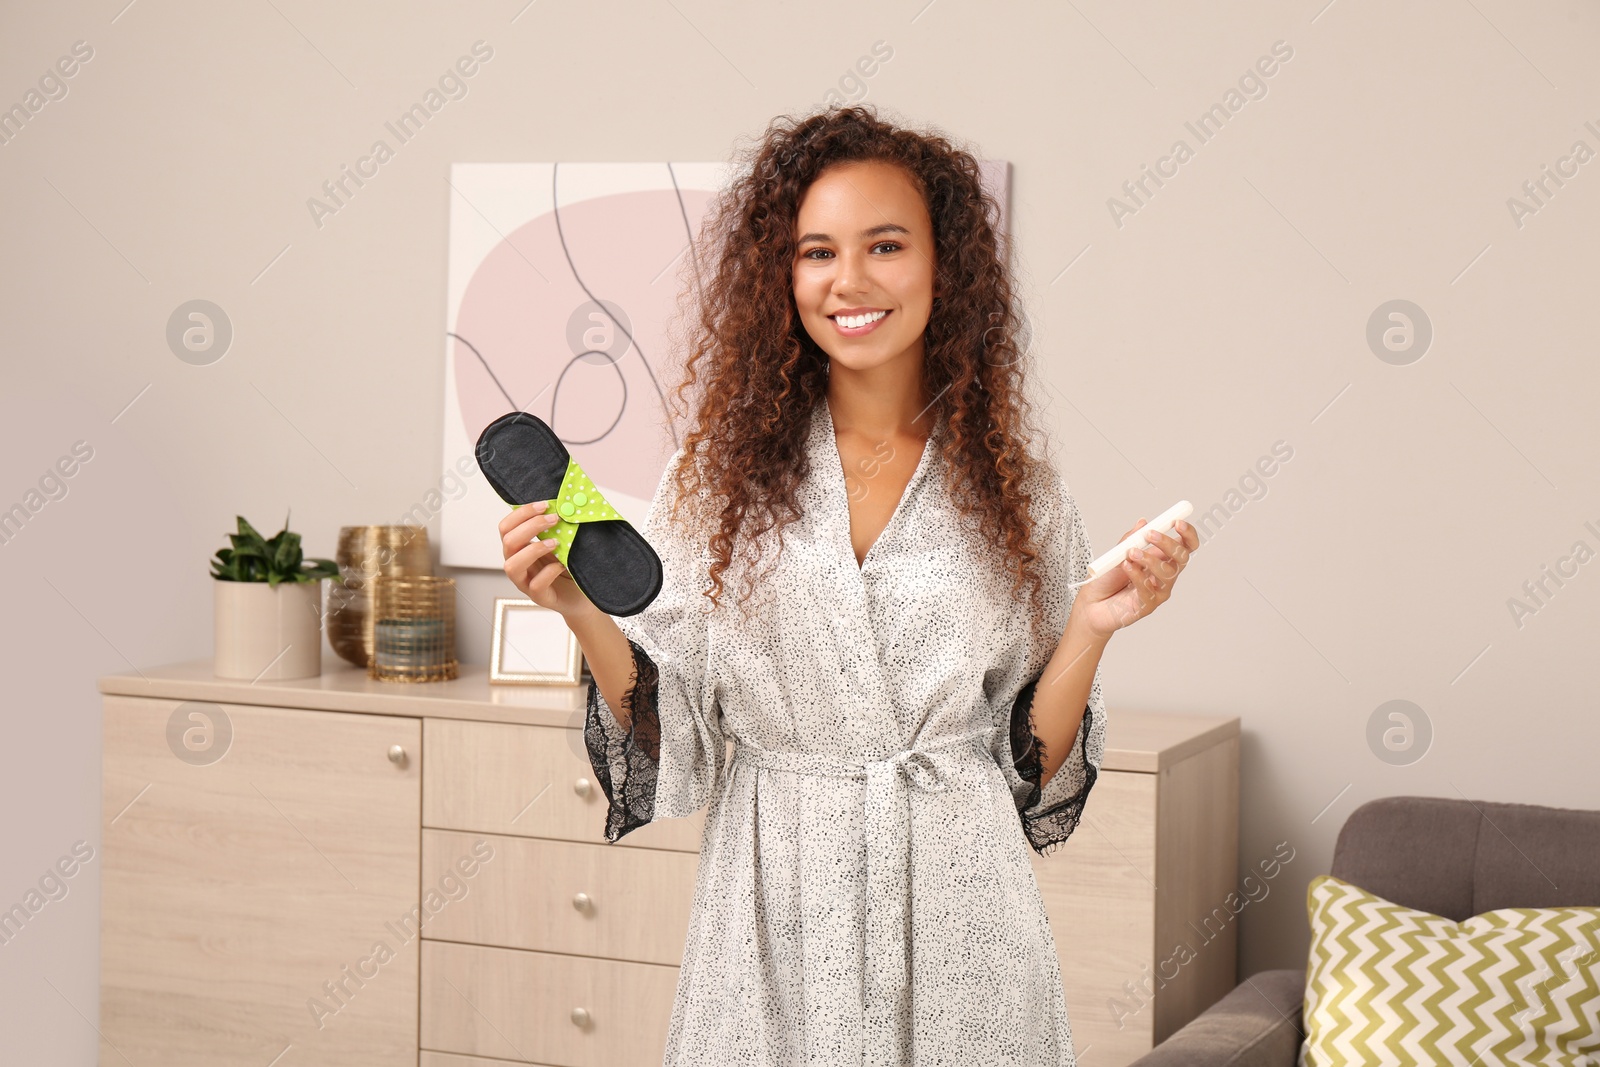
(910, 684)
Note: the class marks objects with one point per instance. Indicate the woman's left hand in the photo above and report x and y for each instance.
(1143, 583)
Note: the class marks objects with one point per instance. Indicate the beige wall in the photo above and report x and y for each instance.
(1179, 346)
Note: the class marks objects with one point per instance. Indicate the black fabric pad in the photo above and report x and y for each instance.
(524, 460)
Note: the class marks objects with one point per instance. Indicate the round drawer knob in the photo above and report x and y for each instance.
(580, 1017)
(581, 787)
(397, 755)
(582, 902)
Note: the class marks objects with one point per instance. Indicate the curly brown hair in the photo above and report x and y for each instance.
(760, 375)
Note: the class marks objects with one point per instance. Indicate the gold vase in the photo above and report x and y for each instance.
(413, 629)
(366, 552)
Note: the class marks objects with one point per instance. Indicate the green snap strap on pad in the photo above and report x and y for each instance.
(577, 501)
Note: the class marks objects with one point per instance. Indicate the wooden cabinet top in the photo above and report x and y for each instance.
(1135, 740)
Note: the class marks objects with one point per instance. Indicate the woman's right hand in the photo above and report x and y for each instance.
(532, 566)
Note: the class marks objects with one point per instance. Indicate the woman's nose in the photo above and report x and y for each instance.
(850, 277)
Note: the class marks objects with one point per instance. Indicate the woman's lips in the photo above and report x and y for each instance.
(860, 331)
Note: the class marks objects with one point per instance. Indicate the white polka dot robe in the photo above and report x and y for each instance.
(864, 894)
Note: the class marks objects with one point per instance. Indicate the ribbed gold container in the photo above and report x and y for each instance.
(413, 629)
(365, 552)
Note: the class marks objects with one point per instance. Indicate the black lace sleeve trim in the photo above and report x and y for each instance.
(635, 755)
(1047, 829)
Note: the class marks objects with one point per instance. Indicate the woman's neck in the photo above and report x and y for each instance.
(881, 402)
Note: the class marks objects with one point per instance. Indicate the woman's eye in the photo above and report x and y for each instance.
(812, 254)
(891, 244)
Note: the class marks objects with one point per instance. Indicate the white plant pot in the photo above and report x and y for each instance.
(265, 633)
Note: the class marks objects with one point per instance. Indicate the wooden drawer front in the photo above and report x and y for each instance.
(450, 1059)
(532, 781)
(635, 901)
(511, 1004)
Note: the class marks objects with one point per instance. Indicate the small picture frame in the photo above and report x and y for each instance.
(533, 646)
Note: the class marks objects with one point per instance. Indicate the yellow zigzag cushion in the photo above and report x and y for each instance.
(1395, 986)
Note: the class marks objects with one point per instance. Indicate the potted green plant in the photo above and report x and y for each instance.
(267, 608)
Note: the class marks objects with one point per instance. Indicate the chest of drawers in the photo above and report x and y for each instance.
(361, 873)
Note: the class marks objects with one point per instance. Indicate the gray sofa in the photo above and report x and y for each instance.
(1455, 858)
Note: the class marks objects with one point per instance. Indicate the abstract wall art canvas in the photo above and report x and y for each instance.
(562, 279)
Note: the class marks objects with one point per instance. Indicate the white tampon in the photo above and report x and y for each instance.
(1163, 522)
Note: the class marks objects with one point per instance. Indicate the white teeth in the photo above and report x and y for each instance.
(852, 322)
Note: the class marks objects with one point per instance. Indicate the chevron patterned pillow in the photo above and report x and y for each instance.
(1395, 986)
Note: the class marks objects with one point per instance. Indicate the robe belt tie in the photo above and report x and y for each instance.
(886, 992)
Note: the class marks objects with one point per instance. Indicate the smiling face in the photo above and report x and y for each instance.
(864, 264)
